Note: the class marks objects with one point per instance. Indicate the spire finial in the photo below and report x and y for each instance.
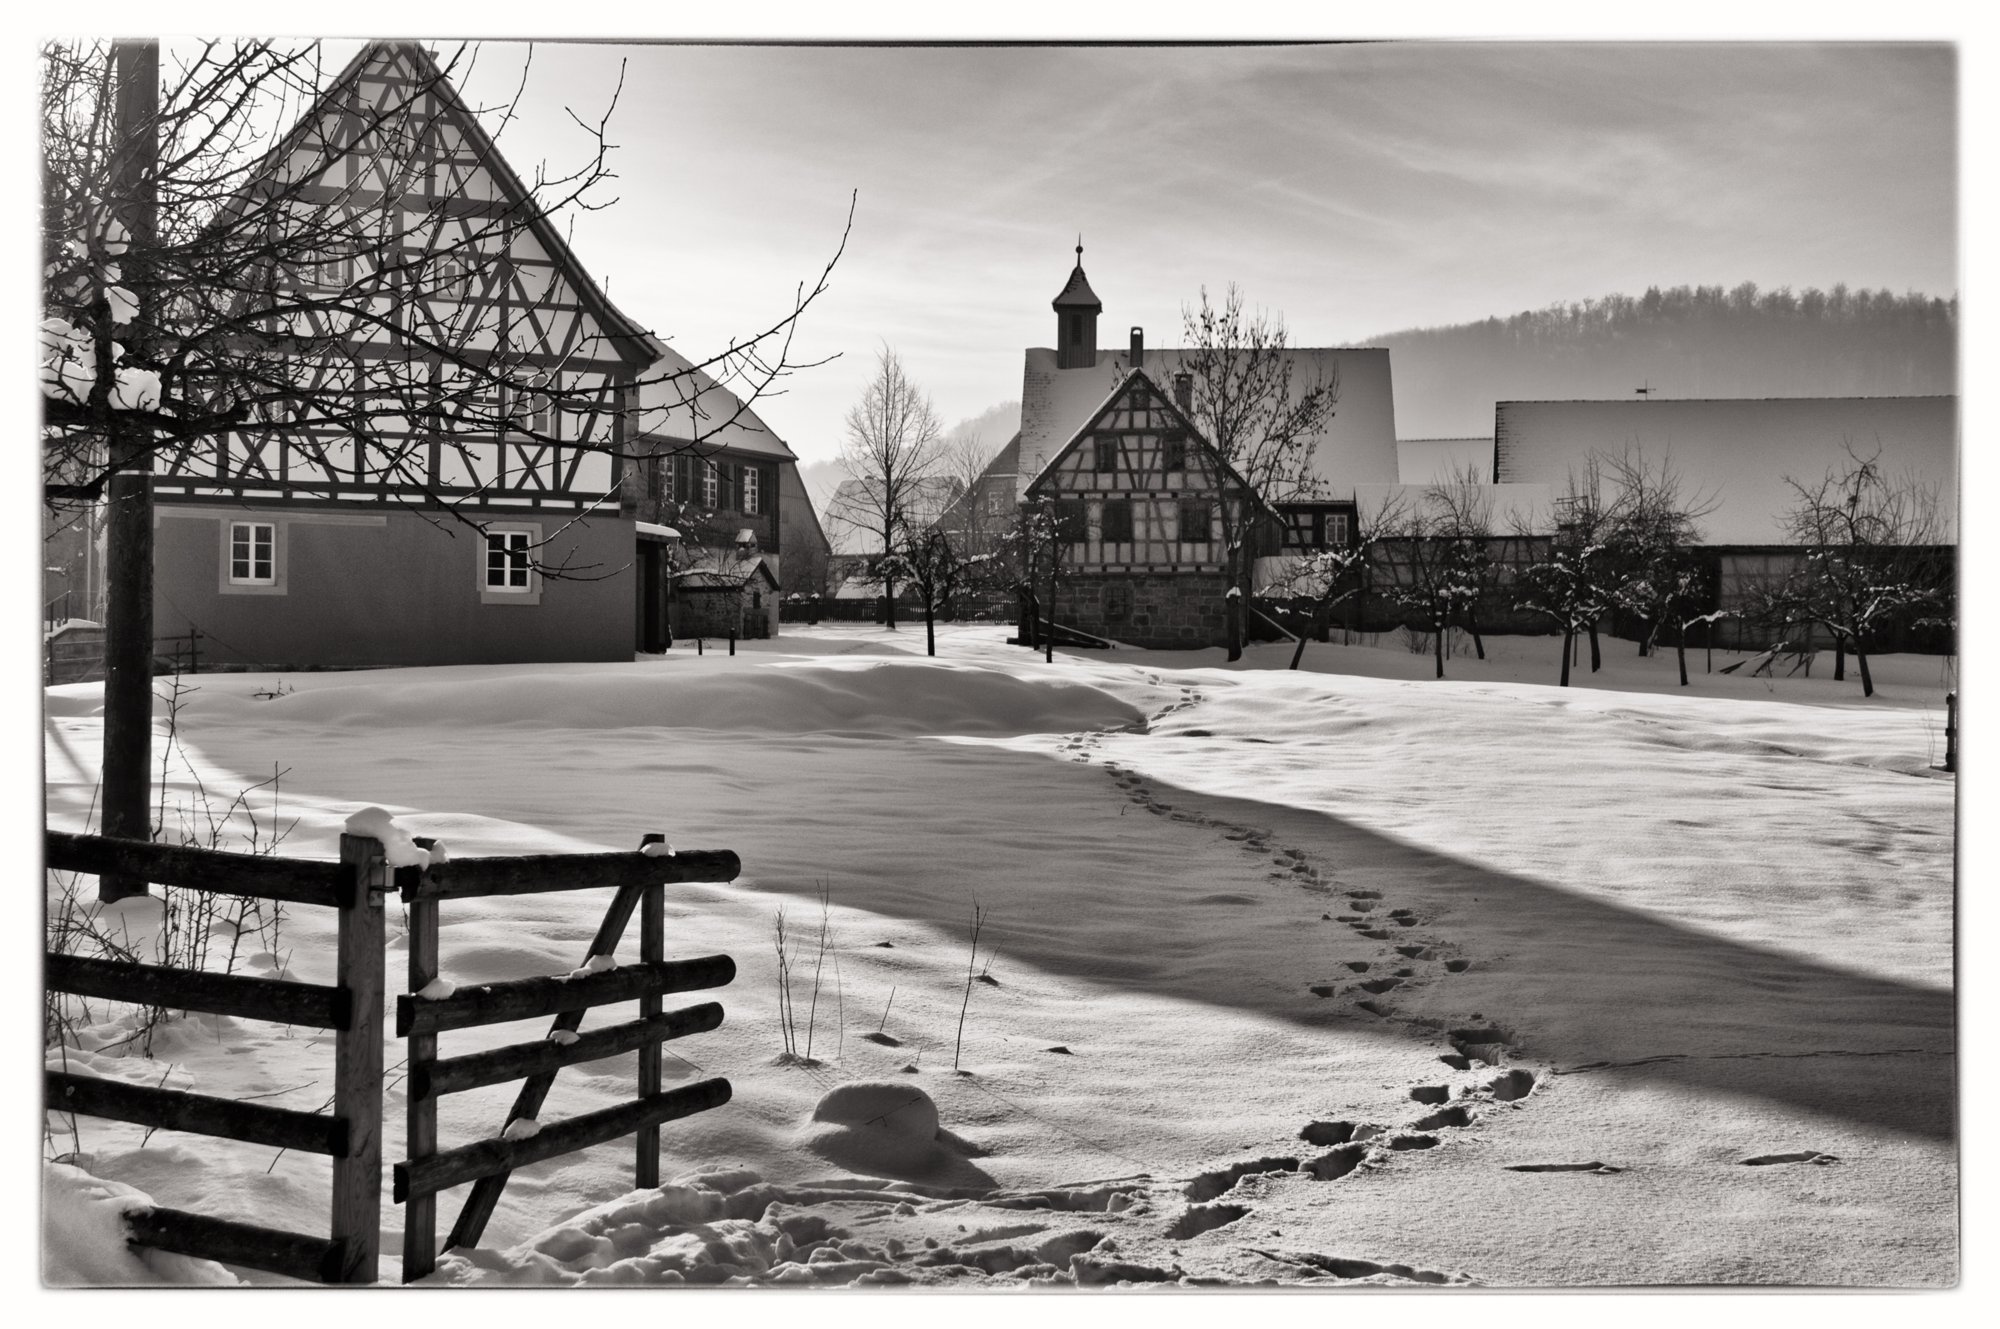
(1079, 248)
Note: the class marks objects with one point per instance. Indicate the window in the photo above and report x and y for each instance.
(1173, 448)
(252, 553)
(531, 407)
(507, 566)
(709, 482)
(996, 502)
(1107, 455)
(751, 485)
(1116, 523)
(1317, 527)
(1195, 516)
(683, 480)
(1118, 602)
(1071, 519)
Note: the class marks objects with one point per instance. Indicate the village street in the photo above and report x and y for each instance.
(1663, 996)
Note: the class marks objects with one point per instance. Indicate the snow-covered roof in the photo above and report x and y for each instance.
(1737, 452)
(697, 407)
(1510, 508)
(1358, 446)
(1423, 461)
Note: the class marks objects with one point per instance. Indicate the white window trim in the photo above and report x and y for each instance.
(225, 580)
(531, 594)
(752, 492)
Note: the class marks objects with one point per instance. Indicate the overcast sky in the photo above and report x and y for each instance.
(1359, 189)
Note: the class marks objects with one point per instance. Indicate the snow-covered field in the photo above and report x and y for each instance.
(1311, 977)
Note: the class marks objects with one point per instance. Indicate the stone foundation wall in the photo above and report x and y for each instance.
(1159, 611)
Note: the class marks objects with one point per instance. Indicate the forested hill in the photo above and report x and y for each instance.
(1699, 341)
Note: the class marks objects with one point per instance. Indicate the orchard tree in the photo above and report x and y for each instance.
(931, 561)
(1870, 546)
(1652, 525)
(243, 248)
(1575, 583)
(893, 454)
(1260, 412)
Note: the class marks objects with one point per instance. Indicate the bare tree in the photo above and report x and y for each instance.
(892, 452)
(1461, 506)
(247, 256)
(1259, 415)
(930, 561)
(1870, 554)
(1576, 581)
(1037, 553)
(1653, 526)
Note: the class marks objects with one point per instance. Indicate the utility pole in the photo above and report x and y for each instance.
(128, 625)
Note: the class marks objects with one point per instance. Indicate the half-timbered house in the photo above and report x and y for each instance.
(1142, 505)
(295, 543)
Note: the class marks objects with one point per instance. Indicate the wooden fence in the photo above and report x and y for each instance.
(354, 1008)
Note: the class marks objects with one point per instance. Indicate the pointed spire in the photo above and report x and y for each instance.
(1076, 293)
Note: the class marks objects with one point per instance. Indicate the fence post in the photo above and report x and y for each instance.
(357, 1066)
(652, 947)
(1951, 731)
(732, 643)
(420, 1211)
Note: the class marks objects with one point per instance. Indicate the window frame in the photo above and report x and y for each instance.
(751, 486)
(269, 580)
(530, 537)
(1103, 448)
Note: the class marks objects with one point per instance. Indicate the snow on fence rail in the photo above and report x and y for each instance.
(436, 1005)
(354, 1007)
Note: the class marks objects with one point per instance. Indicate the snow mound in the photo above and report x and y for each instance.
(886, 1129)
(899, 697)
(84, 1238)
(901, 1110)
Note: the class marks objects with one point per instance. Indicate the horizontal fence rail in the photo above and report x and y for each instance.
(261, 876)
(201, 1114)
(278, 1000)
(535, 874)
(273, 1250)
(526, 998)
(451, 1075)
(455, 1167)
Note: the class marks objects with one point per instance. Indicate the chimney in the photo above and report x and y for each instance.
(1184, 393)
(1138, 347)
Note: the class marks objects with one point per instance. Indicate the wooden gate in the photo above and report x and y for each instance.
(640, 880)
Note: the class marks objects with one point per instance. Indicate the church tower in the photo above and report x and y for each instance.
(1077, 309)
